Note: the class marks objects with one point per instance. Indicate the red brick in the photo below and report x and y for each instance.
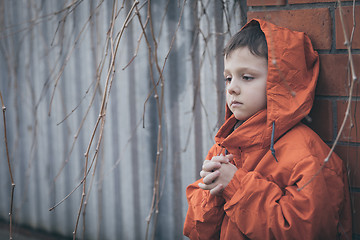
(312, 1)
(321, 115)
(348, 21)
(315, 22)
(351, 132)
(356, 212)
(350, 155)
(334, 76)
(265, 2)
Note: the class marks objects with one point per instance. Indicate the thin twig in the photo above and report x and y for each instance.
(68, 57)
(97, 86)
(106, 94)
(10, 171)
(137, 49)
(157, 103)
(347, 43)
(69, 10)
(35, 21)
(83, 179)
(160, 106)
(150, 63)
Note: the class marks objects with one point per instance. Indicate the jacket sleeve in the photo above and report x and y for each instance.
(205, 211)
(261, 209)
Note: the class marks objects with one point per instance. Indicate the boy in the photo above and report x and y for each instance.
(263, 155)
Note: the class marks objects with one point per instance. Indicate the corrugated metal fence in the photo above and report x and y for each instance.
(58, 82)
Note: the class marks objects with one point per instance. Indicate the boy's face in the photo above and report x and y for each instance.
(245, 75)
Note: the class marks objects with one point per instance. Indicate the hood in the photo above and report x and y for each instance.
(293, 68)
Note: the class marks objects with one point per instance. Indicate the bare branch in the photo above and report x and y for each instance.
(347, 43)
(10, 171)
(69, 55)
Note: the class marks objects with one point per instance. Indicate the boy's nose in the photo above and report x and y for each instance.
(233, 87)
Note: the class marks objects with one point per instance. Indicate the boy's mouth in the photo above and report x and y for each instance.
(235, 103)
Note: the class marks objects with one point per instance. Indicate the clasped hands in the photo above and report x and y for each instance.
(217, 173)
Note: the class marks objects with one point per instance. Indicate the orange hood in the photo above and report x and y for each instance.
(293, 68)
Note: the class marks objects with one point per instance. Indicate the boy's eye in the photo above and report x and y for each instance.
(247, 77)
(227, 79)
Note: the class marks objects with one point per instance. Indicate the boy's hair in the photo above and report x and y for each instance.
(252, 37)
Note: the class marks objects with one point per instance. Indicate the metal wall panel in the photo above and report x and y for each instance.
(51, 57)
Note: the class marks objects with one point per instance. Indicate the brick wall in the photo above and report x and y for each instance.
(320, 19)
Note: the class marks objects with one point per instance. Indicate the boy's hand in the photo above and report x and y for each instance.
(217, 173)
(209, 167)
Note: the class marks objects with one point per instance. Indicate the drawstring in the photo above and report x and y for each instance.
(272, 141)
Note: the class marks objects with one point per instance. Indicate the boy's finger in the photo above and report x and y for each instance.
(204, 173)
(217, 190)
(210, 166)
(206, 162)
(229, 157)
(206, 186)
(210, 178)
(203, 186)
(220, 159)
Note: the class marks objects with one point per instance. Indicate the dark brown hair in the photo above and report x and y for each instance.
(252, 37)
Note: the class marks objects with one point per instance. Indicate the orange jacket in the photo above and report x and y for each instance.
(262, 200)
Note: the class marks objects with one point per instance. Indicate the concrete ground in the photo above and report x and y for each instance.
(24, 233)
